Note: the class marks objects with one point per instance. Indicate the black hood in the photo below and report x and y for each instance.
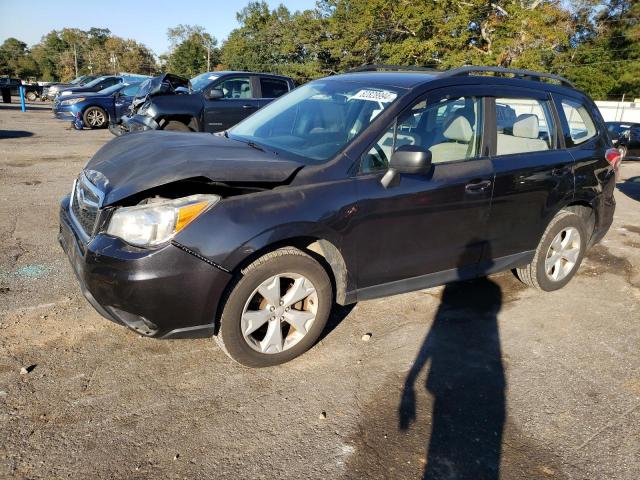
(137, 162)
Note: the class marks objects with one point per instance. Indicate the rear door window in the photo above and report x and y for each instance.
(523, 125)
(273, 88)
(581, 124)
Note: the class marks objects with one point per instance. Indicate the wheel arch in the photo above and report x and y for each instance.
(188, 119)
(324, 251)
(586, 210)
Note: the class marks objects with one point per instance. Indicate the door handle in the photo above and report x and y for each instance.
(248, 106)
(477, 187)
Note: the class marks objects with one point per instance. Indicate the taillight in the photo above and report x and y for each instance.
(614, 157)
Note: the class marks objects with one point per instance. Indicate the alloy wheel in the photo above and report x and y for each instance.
(279, 313)
(563, 254)
(96, 118)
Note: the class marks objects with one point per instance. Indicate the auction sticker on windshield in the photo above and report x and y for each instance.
(384, 96)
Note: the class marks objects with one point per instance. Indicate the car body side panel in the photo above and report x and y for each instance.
(595, 178)
(253, 222)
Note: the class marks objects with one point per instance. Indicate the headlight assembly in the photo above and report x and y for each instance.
(72, 101)
(157, 222)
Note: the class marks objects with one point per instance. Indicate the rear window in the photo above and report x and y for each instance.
(581, 125)
(273, 88)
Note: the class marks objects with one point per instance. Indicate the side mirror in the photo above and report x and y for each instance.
(215, 94)
(409, 159)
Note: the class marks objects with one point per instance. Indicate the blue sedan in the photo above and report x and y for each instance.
(95, 109)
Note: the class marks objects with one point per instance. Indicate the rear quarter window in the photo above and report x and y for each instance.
(581, 125)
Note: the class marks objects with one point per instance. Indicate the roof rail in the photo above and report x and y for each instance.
(401, 68)
(523, 74)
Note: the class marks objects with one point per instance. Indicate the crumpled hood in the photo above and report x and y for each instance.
(136, 162)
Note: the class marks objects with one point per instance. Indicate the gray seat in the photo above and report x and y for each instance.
(459, 135)
(245, 91)
(525, 137)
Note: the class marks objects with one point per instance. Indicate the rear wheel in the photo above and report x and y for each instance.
(31, 96)
(176, 126)
(276, 310)
(558, 255)
(95, 117)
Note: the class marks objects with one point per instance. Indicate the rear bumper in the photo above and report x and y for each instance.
(164, 293)
(605, 207)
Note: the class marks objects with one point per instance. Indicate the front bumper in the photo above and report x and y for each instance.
(166, 293)
(69, 114)
(138, 123)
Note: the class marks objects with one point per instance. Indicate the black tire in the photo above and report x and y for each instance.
(176, 126)
(95, 117)
(284, 260)
(534, 274)
(31, 96)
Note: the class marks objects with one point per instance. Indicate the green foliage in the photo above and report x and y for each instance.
(64, 54)
(193, 50)
(595, 43)
(565, 37)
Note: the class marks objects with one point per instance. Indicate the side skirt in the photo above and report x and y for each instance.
(446, 276)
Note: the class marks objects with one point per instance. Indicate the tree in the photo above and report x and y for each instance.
(193, 50)
(13, 55)
(277, 41)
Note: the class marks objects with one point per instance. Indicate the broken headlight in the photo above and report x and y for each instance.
(158, 221)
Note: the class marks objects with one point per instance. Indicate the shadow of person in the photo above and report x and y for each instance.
(467, 382)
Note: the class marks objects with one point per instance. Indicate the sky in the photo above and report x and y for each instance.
(145, 21)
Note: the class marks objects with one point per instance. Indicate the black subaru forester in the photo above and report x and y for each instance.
(352, 187)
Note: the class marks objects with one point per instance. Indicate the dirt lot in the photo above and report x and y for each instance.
(485, 375)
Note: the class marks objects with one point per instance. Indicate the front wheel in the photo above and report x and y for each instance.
(276, 310)
(95, 117)
(31, 96)
(558, 255)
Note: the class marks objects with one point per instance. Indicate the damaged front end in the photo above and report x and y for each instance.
(165, 84)
(121, 224)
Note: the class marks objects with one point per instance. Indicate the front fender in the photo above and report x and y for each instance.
(237, 227)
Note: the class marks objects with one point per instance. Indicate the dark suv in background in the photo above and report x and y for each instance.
(216, 101)
(351, 187)
(627, 136)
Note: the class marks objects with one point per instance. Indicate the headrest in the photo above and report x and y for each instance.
(527, 126)
(459, 129)
(244, 87)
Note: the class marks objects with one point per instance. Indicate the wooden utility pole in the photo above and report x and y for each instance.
(75, 56)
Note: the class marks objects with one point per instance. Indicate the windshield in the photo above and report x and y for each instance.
(77, 80)
(199, 82)
(317, 120)
(94, 82)
(111, 89)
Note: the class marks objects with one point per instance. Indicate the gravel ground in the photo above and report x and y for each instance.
(484, 376)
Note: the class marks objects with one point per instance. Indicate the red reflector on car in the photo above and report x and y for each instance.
(614, 157)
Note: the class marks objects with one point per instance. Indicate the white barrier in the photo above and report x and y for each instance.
(620, 111)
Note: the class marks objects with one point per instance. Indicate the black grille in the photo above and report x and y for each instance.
(85, 207)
